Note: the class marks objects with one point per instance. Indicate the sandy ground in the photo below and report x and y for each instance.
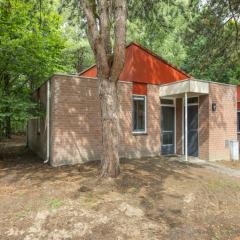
(154, 198)
(230, 164)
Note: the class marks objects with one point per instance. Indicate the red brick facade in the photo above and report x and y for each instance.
(203, 128)
(215, 127)
(76, 129)
(76, 122)
(75, 134)
(222, 122)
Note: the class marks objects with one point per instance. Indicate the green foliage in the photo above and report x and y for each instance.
(213, 42)
(32, 47)
(78, 50)
(20, 108)
(158, 25)
(55, 203)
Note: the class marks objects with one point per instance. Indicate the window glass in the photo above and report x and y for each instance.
(167, 125)
(193, 100)
(168, 118)
(193, 117)
(139, 113)
(167, 138)
(167, 101)
(238, 121)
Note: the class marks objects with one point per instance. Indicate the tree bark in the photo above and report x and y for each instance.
(108, 94)
(101, 17)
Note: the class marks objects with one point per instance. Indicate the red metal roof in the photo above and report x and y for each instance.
(143, 66)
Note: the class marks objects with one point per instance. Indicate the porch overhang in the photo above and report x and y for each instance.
(185, 88)
(192, 87)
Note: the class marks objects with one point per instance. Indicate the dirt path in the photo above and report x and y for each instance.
(154, 198)
(223, 167)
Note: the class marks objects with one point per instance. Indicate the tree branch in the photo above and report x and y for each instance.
(105, 26)
(120, 38)
(96, 42)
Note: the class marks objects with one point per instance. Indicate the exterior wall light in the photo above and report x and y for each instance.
(214, 107)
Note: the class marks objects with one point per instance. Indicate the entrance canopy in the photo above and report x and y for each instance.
(192, 87)
(185, 89)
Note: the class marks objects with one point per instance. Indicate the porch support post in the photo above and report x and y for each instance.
(186, 127)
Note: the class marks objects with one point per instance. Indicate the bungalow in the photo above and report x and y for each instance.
(163, 111)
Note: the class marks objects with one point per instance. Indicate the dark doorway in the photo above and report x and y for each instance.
(167, 130)
(193, 130)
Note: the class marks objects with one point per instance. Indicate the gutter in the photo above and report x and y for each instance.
(48, 123)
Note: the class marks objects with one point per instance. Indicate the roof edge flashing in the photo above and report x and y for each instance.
(198, 87)
(186, 86)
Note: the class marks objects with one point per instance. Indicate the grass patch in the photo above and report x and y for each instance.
(54, 203)
(20, 215)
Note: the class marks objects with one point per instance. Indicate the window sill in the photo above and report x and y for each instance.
(139, 133)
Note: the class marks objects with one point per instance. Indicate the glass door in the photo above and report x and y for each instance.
(193, 130)
(167, 130)
(192, 125)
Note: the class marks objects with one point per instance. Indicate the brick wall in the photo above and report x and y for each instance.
(37, 140)
(222, 122)
(76, 122)
(135, 145)
(203, 131)
(214, 127)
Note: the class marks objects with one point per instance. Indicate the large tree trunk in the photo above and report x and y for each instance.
(102, 16)
(108, 94)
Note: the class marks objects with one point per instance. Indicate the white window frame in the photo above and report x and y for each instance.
(139, 97)
(173, 105)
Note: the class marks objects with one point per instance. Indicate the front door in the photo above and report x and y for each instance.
(167, 130)
(193, 130)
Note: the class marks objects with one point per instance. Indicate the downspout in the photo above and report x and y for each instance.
(186, 127)
(48, 122)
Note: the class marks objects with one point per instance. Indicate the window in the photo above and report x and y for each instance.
(167, 101)
(238, 122)
(139, 114)
(193, 100)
